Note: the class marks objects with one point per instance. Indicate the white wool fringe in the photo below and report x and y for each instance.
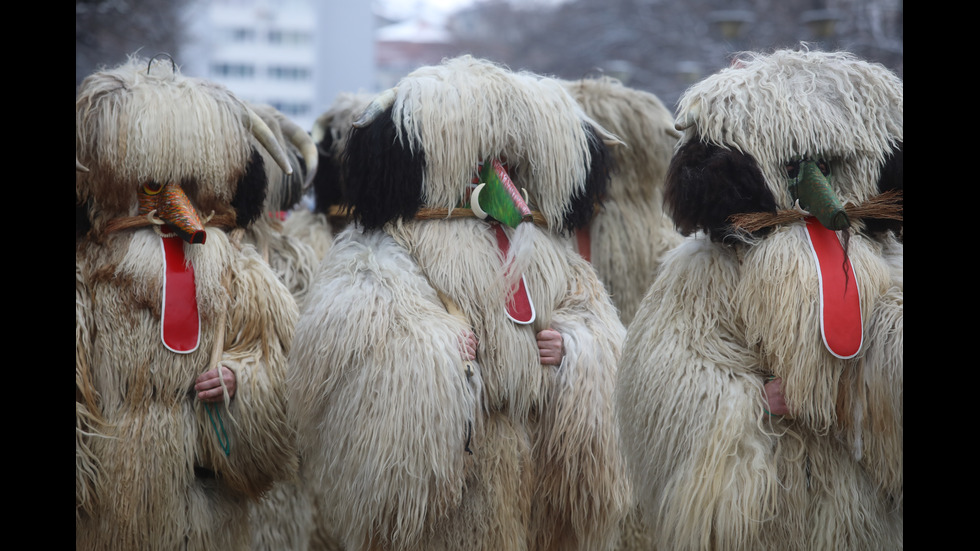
(529, 121)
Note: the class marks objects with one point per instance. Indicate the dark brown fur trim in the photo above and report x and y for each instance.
(249, 199)
(892, 173)
(706, 184)
(583, 205)
(383, 177)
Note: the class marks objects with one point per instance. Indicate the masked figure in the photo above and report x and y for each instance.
(454, 371)
(181, 336)
(760, 391)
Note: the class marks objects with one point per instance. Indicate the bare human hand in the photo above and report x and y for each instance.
(208, 385)
(775, 402)
(467, 345)
(551, 348)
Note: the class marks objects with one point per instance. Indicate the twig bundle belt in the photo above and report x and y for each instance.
(441, 213)
(887, 206)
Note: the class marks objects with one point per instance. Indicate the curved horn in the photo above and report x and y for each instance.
(613, 141)
(607, 137)
(688, 118)
(79, 167)
(378, 105)
(304, 143)
(475, 203)
(264, 135)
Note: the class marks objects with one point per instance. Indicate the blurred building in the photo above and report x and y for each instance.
(295, 55)
(404, 46)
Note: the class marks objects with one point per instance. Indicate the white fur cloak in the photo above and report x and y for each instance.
(630, 232)
(388, 415)
(151, 470)
(711, 468)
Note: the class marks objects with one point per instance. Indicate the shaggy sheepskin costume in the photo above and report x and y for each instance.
(410, 445)
(318, 226)
(292, 259)
(157, 468)
(790, 142)
(283, 519)
(330, 133)
(630, 232)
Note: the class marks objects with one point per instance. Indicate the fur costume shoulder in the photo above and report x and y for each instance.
(361, 345)
(151, 430)
(630, 231)
(376, 326)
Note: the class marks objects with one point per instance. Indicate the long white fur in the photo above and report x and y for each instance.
(631, 232)
(339, 118)
(377, 380)
(711, 469)
(494, 112)
(283, 518)
(203, 133)
(392, 461)
(139, 440)
(802, 103)
(312, 228)
(147, 496)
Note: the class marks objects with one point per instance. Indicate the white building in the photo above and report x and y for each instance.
(295, 55)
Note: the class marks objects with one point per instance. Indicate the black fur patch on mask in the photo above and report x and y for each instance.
(383, 178)
(249, 199)
(890, 179)
(327, 182)
(707, 183)
(82, 222)
(292, 184)
(583, 203)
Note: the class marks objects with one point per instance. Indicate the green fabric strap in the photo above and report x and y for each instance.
(221, 434)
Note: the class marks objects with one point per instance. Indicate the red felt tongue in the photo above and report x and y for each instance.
(840, 303)
(519, 307)
(181, 325)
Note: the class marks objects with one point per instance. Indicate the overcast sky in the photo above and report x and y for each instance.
(404, 8)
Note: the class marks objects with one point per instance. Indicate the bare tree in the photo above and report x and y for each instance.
(662, 46)
(106, 31)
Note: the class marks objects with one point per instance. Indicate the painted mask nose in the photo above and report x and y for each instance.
(813, 191)
(497, 197)
(173, 207)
